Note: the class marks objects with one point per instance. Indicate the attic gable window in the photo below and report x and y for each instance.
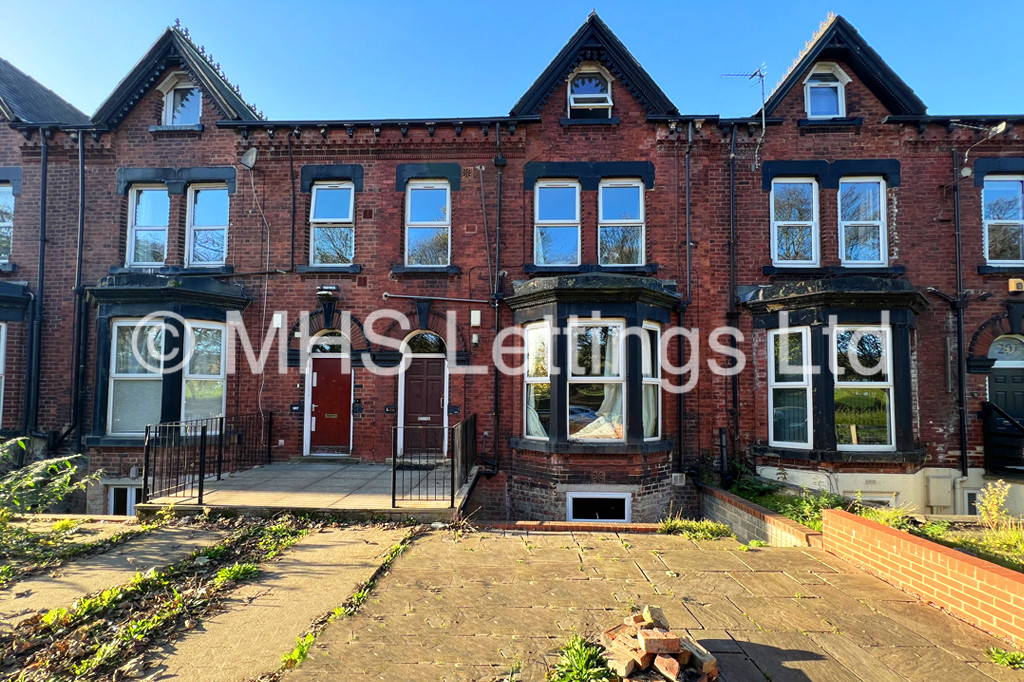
(825, 91)
(590, 95)
(183, 103)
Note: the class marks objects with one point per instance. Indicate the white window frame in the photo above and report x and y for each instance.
(135, 497)
(805, 384)
(886, 333)
(178, 81)
(986, 223)
(114, 376)
(813, 224)
(881, 224)
(587, 71)
(570, 498)
(576, 323)
(410, 187)
(133, 199)
(3, 367)
(332, 223)
(538, 224)
(187, 375)
(192, 229)
(656, 379)
(840, 87)
(535, 328)
(8, 226)
(640, 222)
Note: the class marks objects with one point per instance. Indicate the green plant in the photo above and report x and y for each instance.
(992, 504)
(897, 517)
(934, 530)
(580, 661)
(749, 483)
(1010, 659)
(65, 525)
(37, 486)
(695, 530)
(757, 543)
(296, 656)
(235, 573)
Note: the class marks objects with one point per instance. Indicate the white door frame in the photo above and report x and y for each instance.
(307, 421)
(401, 396)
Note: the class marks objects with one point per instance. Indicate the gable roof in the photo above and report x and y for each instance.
(24, 100)
(173, 51)
(594, 41)
(838, 39)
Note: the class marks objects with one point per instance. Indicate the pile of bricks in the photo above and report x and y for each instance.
(644, 647)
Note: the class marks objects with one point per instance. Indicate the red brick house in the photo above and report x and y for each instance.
(589, 225)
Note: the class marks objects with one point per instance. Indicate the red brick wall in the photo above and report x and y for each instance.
(753, 522)
(989, 596)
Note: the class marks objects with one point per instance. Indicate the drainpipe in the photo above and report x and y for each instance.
(35, 349)
(291, 183)
(683, 305)
(496, 296)
(733, 314)
(958, 304)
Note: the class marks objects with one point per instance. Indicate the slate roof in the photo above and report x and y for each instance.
(173, 51)
(838, 39)
(25, 100)
(594, 41)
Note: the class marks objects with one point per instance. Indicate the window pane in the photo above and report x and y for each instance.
(860, 201)
(134, 404)
(6, 204)
(557, 246)
(793, 201)
(428, 246)
(208, 246)
(652, 398)
(538, 410)
(206, 351)
(824, 101)
(862, 242)
(595, 351)
(426, 342)
(796, 242)
(862, 416)
(1007, 349)
(149, 345)
(789, 350)
(186, 106)
(789, 415)
(649, 353)
(150, 246)
(537, 352)
(556, 203)
(211, 207)
(595, 411)
(860, 355)
(152, 207)
(333, 245)
(622, 245)
(1004, 242)
(6, 234)
(333, 203)
(589, 84)
(428, 205)
(1002, 200)
(620, 203)
(203, 399)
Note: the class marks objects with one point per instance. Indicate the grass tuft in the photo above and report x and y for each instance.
(580, 661)
(1009, 659)
(235, 573)
(695, 530)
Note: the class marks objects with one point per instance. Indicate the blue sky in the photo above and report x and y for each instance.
(352, 60)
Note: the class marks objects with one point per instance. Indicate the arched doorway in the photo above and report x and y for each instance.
(1006, 380)
(423, 395)
(329, 395)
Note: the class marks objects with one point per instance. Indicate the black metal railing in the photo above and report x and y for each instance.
(1004, 440)
(181, 456)
(429, 462)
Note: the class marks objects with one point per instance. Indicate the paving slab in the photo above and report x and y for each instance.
(262, 619)
(62, 585)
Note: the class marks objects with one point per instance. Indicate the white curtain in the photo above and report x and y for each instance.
(609, 415)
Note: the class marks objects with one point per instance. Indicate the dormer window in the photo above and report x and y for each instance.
(824, 91)
(183, 102)
(590, 95)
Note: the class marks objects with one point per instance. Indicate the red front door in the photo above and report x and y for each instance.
(330, 410)
(424, 406)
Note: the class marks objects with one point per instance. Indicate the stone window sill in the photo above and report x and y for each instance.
(843, 456)
(173, 270)
(847, 122)
(413, 271)
(833, 271)
(1001, 270)
(329, 269)
(8, 267)
(193, 128)
(614, 120)
(577, 448)
(115, 441)
(532, 269)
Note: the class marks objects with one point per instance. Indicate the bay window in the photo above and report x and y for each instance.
(205, 373)
(621, 222)
(136, 379)
(596, 381)
(650, 364)
(794, 229)
(862, 366)
(556, 235)
(862, 232)
(789, 388)
(538, 381)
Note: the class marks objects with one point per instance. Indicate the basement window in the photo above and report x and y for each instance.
(123, 498)
(594, 507)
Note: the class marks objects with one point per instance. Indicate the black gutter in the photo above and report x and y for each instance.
(36, 345)
(733, 314)
(378, 122)
(974, 118)
(958, 304)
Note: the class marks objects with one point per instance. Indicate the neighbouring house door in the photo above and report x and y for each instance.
(330, 413)
(424, 408)
(1006, 390)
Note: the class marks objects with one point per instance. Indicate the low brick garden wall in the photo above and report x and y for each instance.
(753, 522)
(980, 592)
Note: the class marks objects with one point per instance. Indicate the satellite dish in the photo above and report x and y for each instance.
(249, 158)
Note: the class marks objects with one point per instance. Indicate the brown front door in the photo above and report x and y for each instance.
(330, 410)
(424, 406)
